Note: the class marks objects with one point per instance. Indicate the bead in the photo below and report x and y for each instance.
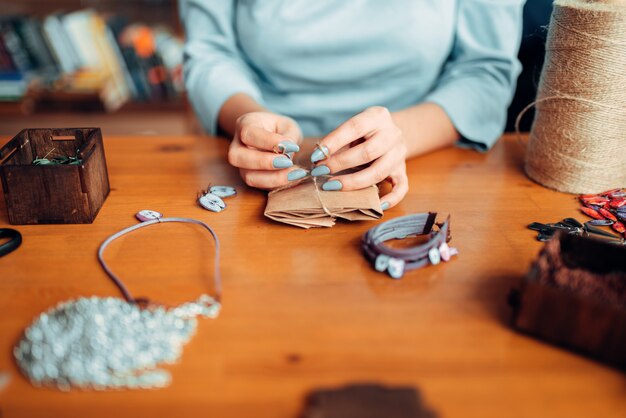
(212, 202)
(148, 215)
(396, 268)
(104, 343)
(434, 256)
(223, 191)
(382, 262)
(444, 252)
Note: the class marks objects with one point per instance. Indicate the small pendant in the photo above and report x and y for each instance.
(396, 268)
(434, 256)
(381, 263)
(212, 202)
(223, 191)
(148, 215)
(444, 252)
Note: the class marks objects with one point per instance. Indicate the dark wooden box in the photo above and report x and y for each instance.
(52, 194)
(585, 308)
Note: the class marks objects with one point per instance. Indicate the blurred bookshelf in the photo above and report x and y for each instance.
(148, 11)
(87, 57)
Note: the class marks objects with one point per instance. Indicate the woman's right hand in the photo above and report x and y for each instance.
(260, 146)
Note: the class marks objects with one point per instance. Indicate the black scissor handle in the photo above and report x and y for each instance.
(15, 240)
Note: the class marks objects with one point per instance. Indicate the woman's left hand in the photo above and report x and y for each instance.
(369, 139)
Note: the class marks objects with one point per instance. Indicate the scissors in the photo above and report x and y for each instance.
(572, 226)
(15, 240)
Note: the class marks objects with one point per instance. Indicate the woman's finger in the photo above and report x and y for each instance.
(263, 179)
(359, 126)
(262, 139)
(290, 129)
(361, 179)
(361, 154)
(400, 187)
(242, 156)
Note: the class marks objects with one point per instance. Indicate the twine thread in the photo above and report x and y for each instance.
(313, 180)
(319, 197)
(578, 140)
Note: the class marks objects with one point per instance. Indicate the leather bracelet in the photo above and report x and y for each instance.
(15, 240)
(398, 260)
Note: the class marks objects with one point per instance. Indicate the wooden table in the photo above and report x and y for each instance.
(303, 309)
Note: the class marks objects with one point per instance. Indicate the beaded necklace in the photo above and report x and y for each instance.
(108, 343)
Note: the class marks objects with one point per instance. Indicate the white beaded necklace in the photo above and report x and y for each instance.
(108, 343)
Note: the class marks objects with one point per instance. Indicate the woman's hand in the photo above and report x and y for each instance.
(262, 148)
(369, 139)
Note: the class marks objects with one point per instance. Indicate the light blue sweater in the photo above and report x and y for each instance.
(323, 61)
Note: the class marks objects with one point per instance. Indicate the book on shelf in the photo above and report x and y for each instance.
(13, 86)
(60, 45)
(14, 64)
(87, 31)
(82, 52)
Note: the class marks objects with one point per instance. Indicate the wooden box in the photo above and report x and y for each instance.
(47, 194)
(575, 296)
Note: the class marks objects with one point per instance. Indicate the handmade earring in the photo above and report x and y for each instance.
(211, 199)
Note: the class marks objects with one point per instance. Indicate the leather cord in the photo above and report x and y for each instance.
(373, 241)
(120, 284)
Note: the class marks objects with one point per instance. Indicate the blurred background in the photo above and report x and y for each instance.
(117, 64)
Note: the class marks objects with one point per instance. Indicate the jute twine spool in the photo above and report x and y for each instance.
(578, 140)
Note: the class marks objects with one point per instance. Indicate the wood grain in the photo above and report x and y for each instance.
(303, 309)
(36, 194)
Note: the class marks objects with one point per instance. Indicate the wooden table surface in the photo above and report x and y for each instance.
(302, 308)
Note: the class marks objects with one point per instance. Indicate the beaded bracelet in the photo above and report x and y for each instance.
(398, 260)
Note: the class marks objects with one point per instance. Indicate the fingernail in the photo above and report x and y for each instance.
(384, 205)
(333, 185)
(320, 170)
(282, 162)
(318, 154)
(296, 174)
(289, 146)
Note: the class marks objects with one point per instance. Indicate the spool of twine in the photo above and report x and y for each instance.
(578, 140)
